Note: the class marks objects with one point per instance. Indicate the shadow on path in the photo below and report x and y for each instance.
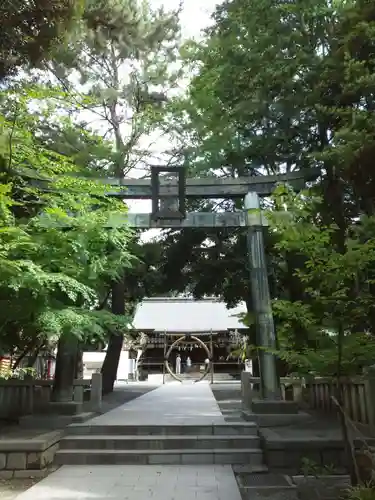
(123, 393)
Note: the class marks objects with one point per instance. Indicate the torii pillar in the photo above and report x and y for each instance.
(271, 409)
(265, 329)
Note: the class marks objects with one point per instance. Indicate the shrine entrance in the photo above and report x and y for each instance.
(168, 189)
(185, 344)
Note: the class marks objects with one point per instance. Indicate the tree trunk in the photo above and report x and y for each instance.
(23, 355)
(112, 357)
(33, 356)
(65, 369)
(33, 359)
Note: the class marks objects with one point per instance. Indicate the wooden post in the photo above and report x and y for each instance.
(370, 395)
(165, 352)
(96, 392)
(30, 394)
(297, 390)
(78, 393)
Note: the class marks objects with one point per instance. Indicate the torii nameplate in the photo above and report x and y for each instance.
(193, 219)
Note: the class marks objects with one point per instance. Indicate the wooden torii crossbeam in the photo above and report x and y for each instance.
(205, 188)
(209, 187)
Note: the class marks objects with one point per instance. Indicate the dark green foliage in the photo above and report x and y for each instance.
(30, 29)
(282, 86)
(57, 257)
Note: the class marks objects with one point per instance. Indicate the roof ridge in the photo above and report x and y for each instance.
(186, 314)
(181, 299)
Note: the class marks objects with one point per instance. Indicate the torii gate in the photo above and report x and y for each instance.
(168, 195)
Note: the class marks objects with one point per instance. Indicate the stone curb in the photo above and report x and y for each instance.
(25, 455)
(27, 474)
(39, 443)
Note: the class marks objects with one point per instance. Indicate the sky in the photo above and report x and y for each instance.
(195, 17)
(195, 14)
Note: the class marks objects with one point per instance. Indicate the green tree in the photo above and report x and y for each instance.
(124, 75)
(31, 29)
(244, 117)
(280, 86)
(338, 336)
(58, 247)
(122, 54)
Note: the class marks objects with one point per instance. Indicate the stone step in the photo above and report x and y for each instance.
(45, 422)
(226, 429)
(233, 418)
(246, 479)
(253, 457)
(270, 493)
(230, 404)
(268, 486)
(112, 442)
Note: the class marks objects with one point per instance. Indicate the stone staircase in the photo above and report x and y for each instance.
(230, 443)
(228, 398)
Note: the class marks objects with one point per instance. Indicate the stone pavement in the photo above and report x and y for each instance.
(131, 482)
(174, 403)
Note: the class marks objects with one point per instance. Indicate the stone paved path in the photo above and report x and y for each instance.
(172, 403)
(131, 482)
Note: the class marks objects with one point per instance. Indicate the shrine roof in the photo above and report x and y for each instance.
(184, 314)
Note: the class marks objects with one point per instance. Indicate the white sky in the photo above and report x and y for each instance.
(195, 16)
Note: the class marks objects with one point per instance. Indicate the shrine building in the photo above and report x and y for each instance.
(166, 319)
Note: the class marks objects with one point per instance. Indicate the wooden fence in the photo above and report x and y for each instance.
(356, 392)
(315, 394)
(24, 397)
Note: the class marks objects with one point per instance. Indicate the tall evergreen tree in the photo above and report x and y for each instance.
(122, 55)
(281, 86)
(30, 30)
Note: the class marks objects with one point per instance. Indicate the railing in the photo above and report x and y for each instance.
(24, 397)
(358, 397)
(291, 388)
(355, 392)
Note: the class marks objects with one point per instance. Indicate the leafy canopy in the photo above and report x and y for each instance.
(30, 30)
(57, 251)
